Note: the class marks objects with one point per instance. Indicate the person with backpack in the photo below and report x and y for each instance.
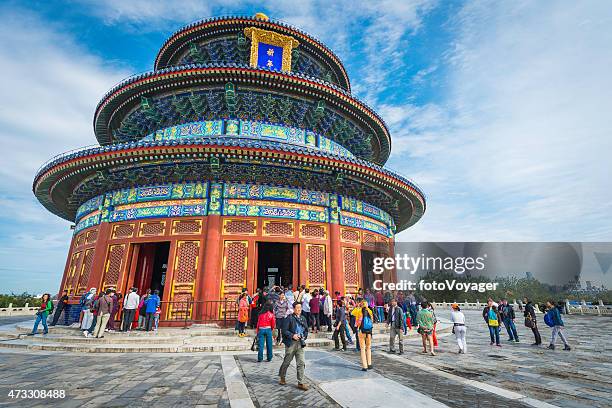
(364, 321)
(531, 322)
(266, 323)
(61, 304)
(552, 318)
(508, 316)
(492, 319)
(340, 326)
(396, 322)
(46, 307)
(151, 304)
(86, 303)
(104, 308)
(425, 322)
(142, 310)
(243, 313)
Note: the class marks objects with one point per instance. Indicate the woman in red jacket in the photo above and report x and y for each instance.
(266, 322)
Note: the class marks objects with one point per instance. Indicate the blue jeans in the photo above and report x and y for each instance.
(381, 313)
(348, 333)
(41, 318)
(267, 335)
(494, 333)
(511, 328)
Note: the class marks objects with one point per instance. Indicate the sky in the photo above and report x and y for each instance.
(499, 111)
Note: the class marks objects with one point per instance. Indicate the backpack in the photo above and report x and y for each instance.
(493, 322)
(549, 320)
(52, 306)
(83, 299)
(366, 324)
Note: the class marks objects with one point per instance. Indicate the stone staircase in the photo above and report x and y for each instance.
(197, 338)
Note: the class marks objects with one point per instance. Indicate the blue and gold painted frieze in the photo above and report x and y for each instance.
(89, 206)
(171, 208)
(263, 192)
(231, 199)
(274, 209)
(359, 207)
(251, 130)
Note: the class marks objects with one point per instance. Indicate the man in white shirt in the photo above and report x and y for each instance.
(129, 309)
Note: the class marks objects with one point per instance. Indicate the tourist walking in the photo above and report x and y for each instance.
(282, 309)
(492, 318)
(364, 321)
(457, 318)
(531, 321)
(395, 322)
(553, 320)
(425, 322)
(46, 306)
(243, 313)
(340, 326)
(130, 304)
(104, 308)
(295, 334)
(86, 303)
(59, 308)
(315, 309)
(151, 305)
(508, 316)
(266, 322)
(412, 306)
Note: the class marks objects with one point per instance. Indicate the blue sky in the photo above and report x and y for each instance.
(500, 111)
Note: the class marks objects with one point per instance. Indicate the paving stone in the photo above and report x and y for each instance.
(262, 381)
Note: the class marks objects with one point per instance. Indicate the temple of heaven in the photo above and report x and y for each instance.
(241, 160)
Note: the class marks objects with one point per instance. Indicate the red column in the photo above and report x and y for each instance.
(337, 270)
(211, 273)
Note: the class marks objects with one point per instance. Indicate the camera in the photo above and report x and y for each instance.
(302, 342)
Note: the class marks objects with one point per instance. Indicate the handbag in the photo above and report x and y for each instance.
(493, 322)
(529, 322)
(255, 345)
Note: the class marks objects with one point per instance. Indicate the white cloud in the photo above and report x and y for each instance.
(520, 149)
(50, 88)
(379, 30)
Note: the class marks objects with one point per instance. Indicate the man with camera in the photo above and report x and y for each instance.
(295, 333)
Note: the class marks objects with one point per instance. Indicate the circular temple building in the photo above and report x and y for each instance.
(240, 160)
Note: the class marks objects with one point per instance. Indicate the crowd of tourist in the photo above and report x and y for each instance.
(292, 314)
(284, 315)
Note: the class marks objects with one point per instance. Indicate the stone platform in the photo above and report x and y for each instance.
(197, 338)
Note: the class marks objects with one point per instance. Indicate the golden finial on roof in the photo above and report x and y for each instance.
(261, 16)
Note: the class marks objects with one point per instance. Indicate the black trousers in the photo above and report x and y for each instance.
(342, 332)
(56, 315)
(150, 320)
(536, 334)
(315, 321)
(128, 318)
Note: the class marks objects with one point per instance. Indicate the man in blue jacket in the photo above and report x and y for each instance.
(508, 316)
(557, 326)
(152, 303)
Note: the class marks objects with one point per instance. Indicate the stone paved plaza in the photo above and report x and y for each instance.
(515, 375)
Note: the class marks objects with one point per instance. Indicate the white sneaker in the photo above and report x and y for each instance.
(86, 334)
